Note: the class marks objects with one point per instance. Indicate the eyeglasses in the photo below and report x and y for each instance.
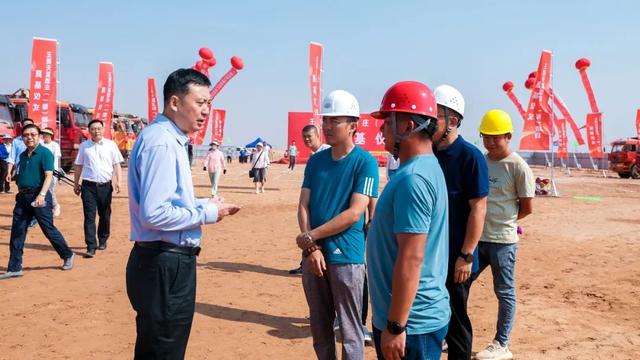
(30, 135)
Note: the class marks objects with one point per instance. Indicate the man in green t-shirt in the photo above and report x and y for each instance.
(511, 192)
(34, 200)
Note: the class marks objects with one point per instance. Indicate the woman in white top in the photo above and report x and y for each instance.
(47, 136)
(259, 164)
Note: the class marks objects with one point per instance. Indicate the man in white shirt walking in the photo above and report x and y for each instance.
(98, 162)
(47, 137)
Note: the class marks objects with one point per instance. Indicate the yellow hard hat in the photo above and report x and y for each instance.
(496, 122)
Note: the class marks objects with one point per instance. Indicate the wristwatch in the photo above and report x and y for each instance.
(468, 258)
(395, 328)
(43, 194)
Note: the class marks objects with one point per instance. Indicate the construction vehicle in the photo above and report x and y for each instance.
(73, 130)
(7, 117)
(624, 158)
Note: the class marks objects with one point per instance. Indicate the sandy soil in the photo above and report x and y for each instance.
(578, 280)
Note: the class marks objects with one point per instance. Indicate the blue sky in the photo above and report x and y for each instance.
(473, 45)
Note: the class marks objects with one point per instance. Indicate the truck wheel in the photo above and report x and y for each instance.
(624, 175)
(635, 172)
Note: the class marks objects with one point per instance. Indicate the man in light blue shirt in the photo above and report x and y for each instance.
(166, 220)
(17, 148)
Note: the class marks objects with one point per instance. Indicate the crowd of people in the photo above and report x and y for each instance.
(446, 213)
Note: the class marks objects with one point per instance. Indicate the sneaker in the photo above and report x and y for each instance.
(90, 253)
(445, 346)
(68, 262)
(33, 222)
(368, 340)
(11, 274)
(102, 246)
(56, 210)
(297, 271)
(495, 351)
(262, 190)
(336, 324)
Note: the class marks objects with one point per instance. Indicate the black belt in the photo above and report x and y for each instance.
(88, 182)
(167, 247)
(27, 190)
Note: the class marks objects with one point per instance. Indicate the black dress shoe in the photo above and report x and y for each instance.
(102, 246)
(90, 253)
(297, 271)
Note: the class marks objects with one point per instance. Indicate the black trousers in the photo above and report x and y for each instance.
(4, 185)
(162, 290)
(292, 162)
(96, 197)
(460, 335)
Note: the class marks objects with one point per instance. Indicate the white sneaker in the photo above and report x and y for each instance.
(368, 340)
(56, 210)
(495, 351)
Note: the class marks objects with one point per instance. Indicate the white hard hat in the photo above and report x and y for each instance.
(448, 96)
(340, 103)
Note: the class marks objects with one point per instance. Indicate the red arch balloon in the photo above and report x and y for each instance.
(205, 53)
(583, 63)
(508, 86)
(529, 83)
(237, 63)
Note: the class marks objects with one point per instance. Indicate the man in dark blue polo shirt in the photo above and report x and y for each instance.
(34, 200)
(466, 174)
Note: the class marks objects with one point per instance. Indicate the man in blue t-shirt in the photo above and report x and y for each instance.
(407, 247)
(465, 171)
(338, 186)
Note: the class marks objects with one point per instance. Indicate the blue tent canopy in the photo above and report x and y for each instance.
(254, 143)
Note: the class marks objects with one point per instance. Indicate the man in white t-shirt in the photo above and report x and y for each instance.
(47, 141)
(98, 162)
(511, 192)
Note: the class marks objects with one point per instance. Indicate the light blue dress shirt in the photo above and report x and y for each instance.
(17, 147)
(161, 200)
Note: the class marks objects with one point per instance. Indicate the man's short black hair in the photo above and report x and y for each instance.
(95, 121)
(30, 126)
(309, 128)
(178, 83)
(25, 120)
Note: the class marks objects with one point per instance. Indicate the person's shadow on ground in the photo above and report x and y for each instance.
(234, 267)
(283, 327)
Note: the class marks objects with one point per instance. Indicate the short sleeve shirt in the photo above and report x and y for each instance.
(413, 202)
(332, 183)
(293, 150)
(465, 170)
(97, 160)
(32, 168)
(510, 179)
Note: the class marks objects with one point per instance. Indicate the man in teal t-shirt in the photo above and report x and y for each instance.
(337, 188)
(293, 153)
(407, 244)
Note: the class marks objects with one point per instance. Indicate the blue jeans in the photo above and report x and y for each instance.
(22, 215)
(417, 347)
(502, 259)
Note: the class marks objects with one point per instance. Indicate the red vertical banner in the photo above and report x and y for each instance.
(561, 126)
(315, 76)
(44, 65)
(638, 124)
(198, 137)
(152, 99)
(104, 99)
(217, 125)
(594, 135)
(537, 124)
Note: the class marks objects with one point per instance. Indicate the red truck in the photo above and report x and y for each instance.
(7, 117)
(624, 158)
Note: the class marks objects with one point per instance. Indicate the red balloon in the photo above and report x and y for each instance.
(533, 75)
(205, 53)
(237, 62)
(200, 65)
(529, 83)
(583, 63)
(210, 62)
(508, 86)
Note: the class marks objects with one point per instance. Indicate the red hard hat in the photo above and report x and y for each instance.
(410, 97)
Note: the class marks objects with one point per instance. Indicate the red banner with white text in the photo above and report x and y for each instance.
(561, 127)
(217, 125)
(42, 101)
(104, 99)
(367, 136)
(152, 99)
(537, 124)
(315, 76)
(594, 135)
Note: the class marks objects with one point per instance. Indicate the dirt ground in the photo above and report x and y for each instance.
(578, 280)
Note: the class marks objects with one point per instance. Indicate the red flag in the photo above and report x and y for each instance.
(567, 116)
(217, 125)
(104, 98)
(315, 67)
(594, 135)
(152, 99)
(638, 124)
(42, 102)
(537, 124)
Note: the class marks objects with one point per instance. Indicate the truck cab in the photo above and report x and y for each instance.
(624, 158)
(7, 117)
(74, 122)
